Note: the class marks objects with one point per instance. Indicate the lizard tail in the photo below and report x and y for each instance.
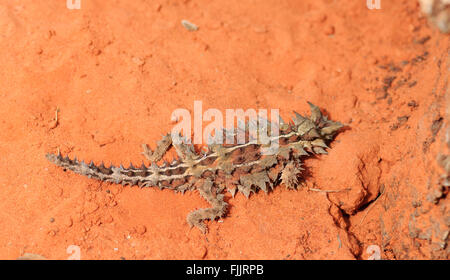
(112, 174)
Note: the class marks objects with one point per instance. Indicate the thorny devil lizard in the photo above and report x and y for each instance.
(234, 167)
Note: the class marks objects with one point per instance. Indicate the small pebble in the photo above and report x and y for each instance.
(68, 222)
(189, 26)
(329, 30)
(141, 229)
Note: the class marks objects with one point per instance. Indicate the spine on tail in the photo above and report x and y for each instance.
(119, 175)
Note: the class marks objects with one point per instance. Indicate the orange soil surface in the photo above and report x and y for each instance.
(117, 69)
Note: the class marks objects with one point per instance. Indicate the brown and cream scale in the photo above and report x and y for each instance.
(232, 167)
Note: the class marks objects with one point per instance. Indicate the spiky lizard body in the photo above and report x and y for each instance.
(235, 167)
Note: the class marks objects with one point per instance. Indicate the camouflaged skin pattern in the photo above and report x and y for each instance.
(231, 167)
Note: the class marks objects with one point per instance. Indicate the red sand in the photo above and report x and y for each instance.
(117, 69)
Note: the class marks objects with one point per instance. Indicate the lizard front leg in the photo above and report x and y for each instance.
(161, 148)
(215, 198)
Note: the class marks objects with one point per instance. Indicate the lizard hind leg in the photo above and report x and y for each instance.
(215, 198)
